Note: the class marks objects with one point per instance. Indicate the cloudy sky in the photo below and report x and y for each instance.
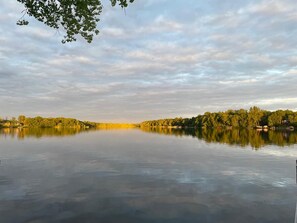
(160, 58)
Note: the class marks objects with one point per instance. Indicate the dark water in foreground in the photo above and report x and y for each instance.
(136, 176)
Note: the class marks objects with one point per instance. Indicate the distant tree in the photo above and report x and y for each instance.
(276, 118)
(231, 118)
(76, 17)
(13, 122)
(292, 118)
(22, 119)
(243, 118)
(254, 116)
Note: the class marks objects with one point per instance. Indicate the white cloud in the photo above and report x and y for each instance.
(271, 7)
(153, 62)
(272, 101)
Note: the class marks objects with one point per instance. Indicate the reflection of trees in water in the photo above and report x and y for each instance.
(241, 137)
(21, 133)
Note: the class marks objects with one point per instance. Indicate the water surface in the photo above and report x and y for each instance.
(147, 176)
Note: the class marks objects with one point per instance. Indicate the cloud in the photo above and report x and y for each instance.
(270, 8)
(159, 59)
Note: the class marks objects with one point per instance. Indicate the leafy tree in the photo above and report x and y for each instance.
(13, 121)
(292, 118)
(254, 116)
(231, 118)
(76, 17)
(242, 118)
(276, 118)
(21, 119)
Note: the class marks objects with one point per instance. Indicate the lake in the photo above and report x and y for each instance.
(148, 175)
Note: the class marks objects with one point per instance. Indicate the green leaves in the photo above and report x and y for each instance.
(76, 17)
(122, 3)
(22, 22)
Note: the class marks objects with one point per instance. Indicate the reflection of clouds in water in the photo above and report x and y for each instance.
(283, 182)
(228, 172)
(257, 178)
(284, 152)
(189, 178)
(152, 178)
(14, 193)
(185, 178)
(151, 171)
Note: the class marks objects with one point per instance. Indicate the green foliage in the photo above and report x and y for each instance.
(122, 3)
(59, 123)
(21, 119)
(241, 118)
(231, 118)
(254, 116)
(39, 122)
(275, 119)
(76, 17)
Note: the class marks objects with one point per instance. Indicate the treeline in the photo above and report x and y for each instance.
(40, 122)
(60, 122)
(252, 118)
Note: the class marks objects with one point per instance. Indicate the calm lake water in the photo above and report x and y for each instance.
(140, 176)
